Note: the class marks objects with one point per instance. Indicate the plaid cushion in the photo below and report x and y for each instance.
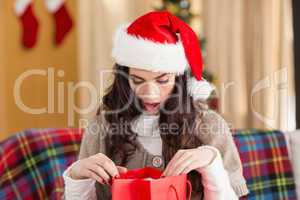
(32, 163)
(266, 164)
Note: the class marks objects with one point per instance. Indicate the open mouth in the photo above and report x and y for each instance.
(151, 106)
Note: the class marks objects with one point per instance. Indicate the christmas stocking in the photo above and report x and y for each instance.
(30, 25)
(62, 19)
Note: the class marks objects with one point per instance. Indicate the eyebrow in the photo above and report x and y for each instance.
(144, 79)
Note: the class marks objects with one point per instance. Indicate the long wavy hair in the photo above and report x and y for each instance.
(121, 142)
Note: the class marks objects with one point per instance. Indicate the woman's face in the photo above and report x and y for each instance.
(153, 88)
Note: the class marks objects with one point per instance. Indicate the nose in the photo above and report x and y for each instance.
(149, 92)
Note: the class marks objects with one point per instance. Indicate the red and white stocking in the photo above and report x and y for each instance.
(62, 19)
(30, 24)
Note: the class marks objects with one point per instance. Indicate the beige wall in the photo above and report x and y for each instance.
(14, 60)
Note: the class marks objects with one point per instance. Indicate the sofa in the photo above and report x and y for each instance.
(32, 163)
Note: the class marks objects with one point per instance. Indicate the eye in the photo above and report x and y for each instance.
(136, 82)
(163, 81)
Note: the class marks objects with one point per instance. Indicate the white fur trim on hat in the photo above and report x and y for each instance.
(199, 89)
(141, 53)
(21, 6)
(54, 5)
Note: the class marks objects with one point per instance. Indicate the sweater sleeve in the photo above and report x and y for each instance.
(213, 130)
(215, 179)
(83, 189)
(93, 142)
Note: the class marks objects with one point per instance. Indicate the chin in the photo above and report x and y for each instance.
(152, 112)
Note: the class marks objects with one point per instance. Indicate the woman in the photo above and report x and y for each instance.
(154, 115)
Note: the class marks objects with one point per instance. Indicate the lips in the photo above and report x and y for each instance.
(151, 106)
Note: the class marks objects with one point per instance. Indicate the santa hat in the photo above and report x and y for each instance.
(160, 42)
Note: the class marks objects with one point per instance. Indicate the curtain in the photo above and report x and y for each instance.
(250, 49)
(98, 21)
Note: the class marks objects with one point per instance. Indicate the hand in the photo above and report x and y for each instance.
(186, 160)
(98, 167)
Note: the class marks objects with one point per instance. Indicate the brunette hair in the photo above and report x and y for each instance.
(121, 143)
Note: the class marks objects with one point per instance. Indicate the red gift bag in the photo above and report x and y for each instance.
(147, 184)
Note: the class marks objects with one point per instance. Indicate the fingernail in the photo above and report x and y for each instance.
(117, 176)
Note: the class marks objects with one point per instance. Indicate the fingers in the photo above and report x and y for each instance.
(107, 164)
(98, 167)
(95, 176)
(184, 162)
(110, 167)
(122, 169)
(99, 171)
(177, 156)
(193, 165)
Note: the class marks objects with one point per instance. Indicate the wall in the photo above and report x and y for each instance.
(15, 60)
(2, 94)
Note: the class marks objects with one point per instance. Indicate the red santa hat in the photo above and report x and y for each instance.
(160, 42)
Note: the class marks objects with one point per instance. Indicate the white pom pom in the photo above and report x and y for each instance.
(199, 89)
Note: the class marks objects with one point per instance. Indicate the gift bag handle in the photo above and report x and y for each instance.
(189, 188)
